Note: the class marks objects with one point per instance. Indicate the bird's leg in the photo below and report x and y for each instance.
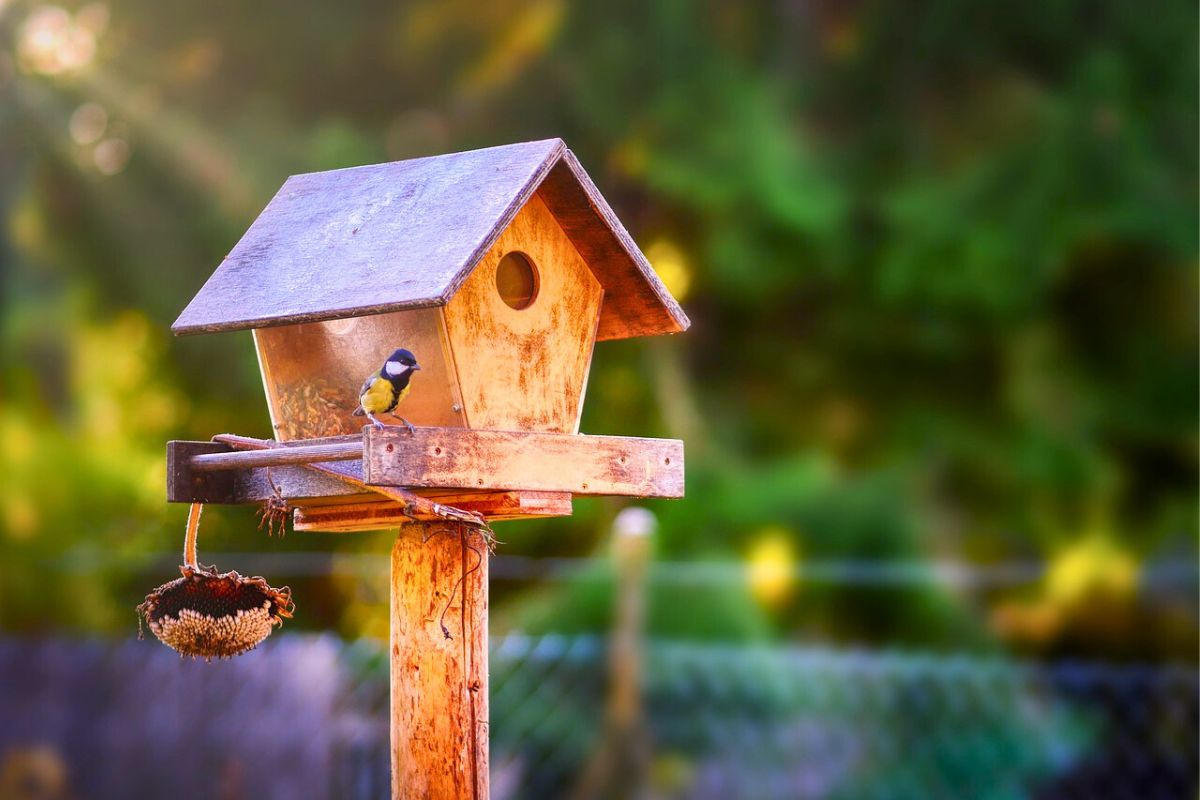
(371, 417)
(411, 430)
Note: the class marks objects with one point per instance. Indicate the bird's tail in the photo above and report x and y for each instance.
(358, 412)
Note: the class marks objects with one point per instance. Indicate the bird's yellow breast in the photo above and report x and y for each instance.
(380, 397)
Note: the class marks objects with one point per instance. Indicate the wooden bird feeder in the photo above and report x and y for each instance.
(499, 269)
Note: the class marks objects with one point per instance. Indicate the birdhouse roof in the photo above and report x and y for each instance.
(406, 234)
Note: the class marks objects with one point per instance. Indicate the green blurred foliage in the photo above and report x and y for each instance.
(941, 265)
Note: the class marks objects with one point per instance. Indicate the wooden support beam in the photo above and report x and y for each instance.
(509, 460)
(439, 682)
(296, 484)
(278, 457)
(373, 516)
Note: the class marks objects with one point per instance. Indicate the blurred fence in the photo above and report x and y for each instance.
(305, 716)
(810, 723)
(1179, 574)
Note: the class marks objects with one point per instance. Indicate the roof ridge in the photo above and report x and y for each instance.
(560, 146)
(510, 212)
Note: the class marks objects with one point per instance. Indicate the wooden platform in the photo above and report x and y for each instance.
(500, 474)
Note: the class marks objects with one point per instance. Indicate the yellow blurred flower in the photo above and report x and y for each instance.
(1092, 565)
(772, 565)
(671, 264)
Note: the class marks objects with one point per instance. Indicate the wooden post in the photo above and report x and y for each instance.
(632, 542)
(620, 764)
(439, 684)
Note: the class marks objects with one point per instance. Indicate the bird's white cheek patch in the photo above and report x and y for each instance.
(394, 368)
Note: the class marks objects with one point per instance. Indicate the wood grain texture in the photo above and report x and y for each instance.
(442, 462)
(333, 498)
(524, 461)
(367, 240)
(312, 372)
(439, 685)
(526, 369)
(284, 456)
(636, 303)
(373, 516)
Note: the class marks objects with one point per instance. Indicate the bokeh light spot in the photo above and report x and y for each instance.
(1094, 564)
(50, 41)
(20, 516)
(93, 17)
(671, 264)
(88, 123)
(771, 566)
(111, 156)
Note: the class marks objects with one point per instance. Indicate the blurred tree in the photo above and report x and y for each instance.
(941, 263)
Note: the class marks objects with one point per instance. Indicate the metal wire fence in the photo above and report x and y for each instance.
(305, 716)
(812, 723)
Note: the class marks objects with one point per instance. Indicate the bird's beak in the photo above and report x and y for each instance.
(416, 367)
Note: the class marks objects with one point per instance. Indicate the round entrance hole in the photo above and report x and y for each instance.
(517, 280)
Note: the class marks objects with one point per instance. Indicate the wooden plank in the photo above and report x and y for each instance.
(331, 496)
(439, 678)
(185, 485)
(439, 462)
(301, 487)
(525, 369)
(373, 516)
(552, 462)
(415, 505)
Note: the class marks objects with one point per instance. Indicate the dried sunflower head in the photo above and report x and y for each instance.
(206, 613)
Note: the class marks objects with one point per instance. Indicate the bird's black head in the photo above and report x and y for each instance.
(399, 363)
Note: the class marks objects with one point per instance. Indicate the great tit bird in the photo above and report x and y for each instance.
(383, 391)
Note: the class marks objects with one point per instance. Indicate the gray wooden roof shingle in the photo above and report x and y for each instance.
(385, 237)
